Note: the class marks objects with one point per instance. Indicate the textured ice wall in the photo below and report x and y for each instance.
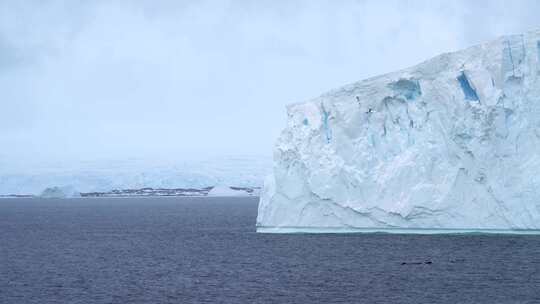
(452, 143)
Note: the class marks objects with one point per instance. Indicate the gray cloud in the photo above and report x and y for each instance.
(176, 79)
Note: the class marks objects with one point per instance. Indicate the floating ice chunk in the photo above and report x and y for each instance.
(60, 192)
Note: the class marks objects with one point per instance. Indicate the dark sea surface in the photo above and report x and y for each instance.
(205, 250)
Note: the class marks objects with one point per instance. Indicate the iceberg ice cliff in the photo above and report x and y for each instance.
(449, 145)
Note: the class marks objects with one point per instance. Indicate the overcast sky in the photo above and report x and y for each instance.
(182, 79)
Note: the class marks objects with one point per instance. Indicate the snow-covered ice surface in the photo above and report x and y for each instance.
(220, 190)
(63, 179)
(450, 145)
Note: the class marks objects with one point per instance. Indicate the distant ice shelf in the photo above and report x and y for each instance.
(239, 175)
(67, 192)
(207, 191)
(451, 145)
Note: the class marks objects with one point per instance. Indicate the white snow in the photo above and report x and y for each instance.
(226, 191)
(452, 144)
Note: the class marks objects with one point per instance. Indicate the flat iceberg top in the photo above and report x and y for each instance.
(452, 143)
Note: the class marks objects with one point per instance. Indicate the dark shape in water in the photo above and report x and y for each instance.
(417, 263)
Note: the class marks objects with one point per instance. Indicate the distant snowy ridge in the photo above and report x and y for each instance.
(234, 191)
(133, 178)
(67, 192)
(452, 144)
(208, 191)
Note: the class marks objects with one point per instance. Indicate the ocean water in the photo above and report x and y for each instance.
(205, 250)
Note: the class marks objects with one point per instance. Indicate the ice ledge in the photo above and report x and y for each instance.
(317, 230)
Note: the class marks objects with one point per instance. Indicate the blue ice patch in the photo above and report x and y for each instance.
(538, 49)
(305, 122)
(468, 91)
(327, 131)
(409, 89)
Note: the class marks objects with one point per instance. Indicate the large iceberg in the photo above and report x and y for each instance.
(449, 145)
